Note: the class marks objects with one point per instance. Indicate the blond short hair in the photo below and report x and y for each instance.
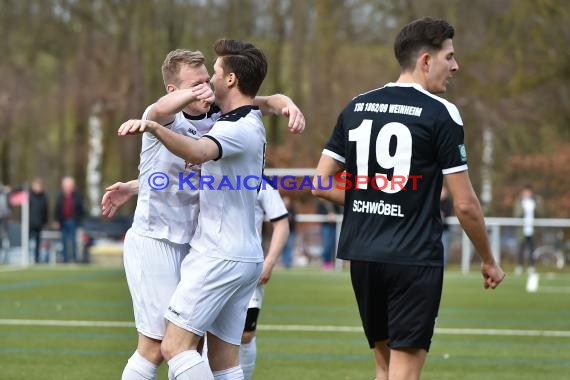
(174, 61)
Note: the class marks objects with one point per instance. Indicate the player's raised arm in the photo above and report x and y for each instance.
(194, 151)
(282, 105)
(167, 106)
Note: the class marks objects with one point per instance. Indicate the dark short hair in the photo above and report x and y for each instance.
(425, 33)
(246, 61)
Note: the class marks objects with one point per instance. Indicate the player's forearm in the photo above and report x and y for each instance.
(278, 240)
(166, 107)
(470, 216)
(329, 188)
(333, 195)
(326, 182)
(183, 146)
(133, 186)
(272, 103)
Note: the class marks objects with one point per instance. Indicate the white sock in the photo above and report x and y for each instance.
(234, 373)
(139, 368)
(188, 365)
(247, 355)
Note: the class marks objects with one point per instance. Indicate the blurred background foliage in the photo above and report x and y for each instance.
(65, 61)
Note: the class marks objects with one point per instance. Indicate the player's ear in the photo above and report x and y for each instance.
(170, 88)
(424, 62)
(231, 79)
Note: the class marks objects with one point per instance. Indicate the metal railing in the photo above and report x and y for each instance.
(494, 225)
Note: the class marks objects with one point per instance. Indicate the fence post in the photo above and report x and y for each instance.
(25, 232)
(337, 262)
(496, 242)
(465, 252)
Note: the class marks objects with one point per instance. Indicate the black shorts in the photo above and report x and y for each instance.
(398, 303)
(251, 319)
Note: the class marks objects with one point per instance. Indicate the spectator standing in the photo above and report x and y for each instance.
(328, 231)
(5, 213)
(38, 214)
(527, 206)
(68, 216)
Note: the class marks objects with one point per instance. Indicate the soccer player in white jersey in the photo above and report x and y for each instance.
(268, 207)
(219, 274)
(165, 220)
(397, 143)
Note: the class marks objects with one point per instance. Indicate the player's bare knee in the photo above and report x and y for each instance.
(168, 349)
(151, 353)
(149, 349)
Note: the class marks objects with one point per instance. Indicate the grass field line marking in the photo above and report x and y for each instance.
(502, 332)
(309, 328)
(447, 331)
(553, 289)
(442, 330)
(11, 269)
(349, 329)
(63, 323)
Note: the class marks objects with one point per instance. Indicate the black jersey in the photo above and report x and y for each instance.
(396, 142)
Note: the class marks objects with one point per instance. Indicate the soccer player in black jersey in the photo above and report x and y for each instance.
(395, 145)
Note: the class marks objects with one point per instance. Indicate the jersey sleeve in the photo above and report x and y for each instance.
(272, 204)
(335, 147)
(449, 139)
(229, 138)
(148, 135)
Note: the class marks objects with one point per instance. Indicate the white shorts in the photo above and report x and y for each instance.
(152, 268)
(213, 295)
(257, 297)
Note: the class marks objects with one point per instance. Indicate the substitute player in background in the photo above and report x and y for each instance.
(402, 140)
(164, 221)
(268, 207)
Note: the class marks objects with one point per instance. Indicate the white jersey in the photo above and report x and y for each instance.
(170, 213)
(269, 206)
(528, 206)
(226, 227)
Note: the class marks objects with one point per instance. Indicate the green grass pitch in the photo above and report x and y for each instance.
(76, 323)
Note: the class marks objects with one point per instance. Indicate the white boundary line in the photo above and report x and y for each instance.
(553, 289)
(63, 323)
(9, 268)
(347, 329)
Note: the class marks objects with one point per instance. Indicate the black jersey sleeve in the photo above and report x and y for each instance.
(336, 146)
(449, 141)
